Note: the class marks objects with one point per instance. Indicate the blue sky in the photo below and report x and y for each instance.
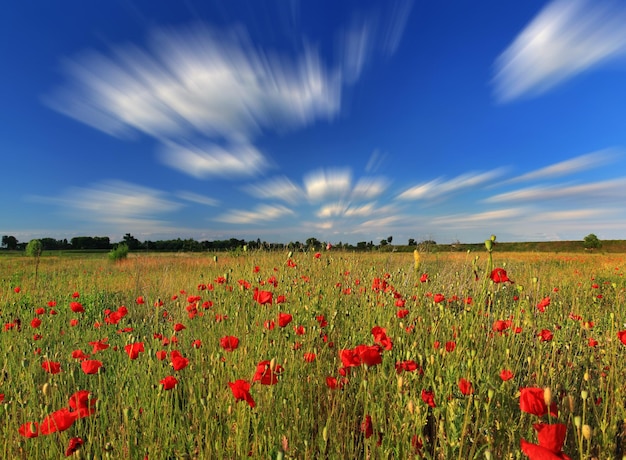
(283, 120)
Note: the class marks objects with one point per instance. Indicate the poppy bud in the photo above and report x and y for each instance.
(273, 364)
(46, 389)
(584, 394)
(570, 402)
(547, 396)
(577, 421)
(290, 254)
(489, 245)
(410, 406)
(325, 433)
(214, 258)
(400, 382)
(586, 377)
(587, 432)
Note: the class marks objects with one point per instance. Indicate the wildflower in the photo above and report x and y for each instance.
(309, 357)
(284, 319)
(134, 349)
(90, 366)
(428, 396)
(73, 445)
(161, 355)
(241, 391)
(506, 374)
(450, 346)
(35, 323)
(179, 327)
(229, 343)
(498, 275)
(265, 374)
(550, 438)
(438, 298)
(52, 367)
(262, 297)
(545, 302)
(82, 404)
(546, 335)
(622, 336)
(99, 345)
(77, 307)
(465, 387)
(532, 401)
(424, 278)
(59, 420)
(178, 361)
(196, 343)
(29, 430)
(366, 426)
(168, 382)
(380, 337)
(407, 366)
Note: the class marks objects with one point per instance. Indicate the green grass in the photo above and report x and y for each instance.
(300, 417)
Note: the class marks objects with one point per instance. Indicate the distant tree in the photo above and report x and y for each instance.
(383, 243)
(312, 244)
(412, 242)
(591, 241)
(34, 249)
(132, 242)
(389, 239)
(9, 242)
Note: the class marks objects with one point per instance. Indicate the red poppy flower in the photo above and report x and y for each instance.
(29, 429)
(369, 354)
(265, 374)
(178, 361)
(140, 300)
(17, 289)
(407, 366)
(465, 387)
(424, 277)
(380, 337)
(498, 275)
(133, 349)
(402, 313)
(545, 302)
(291, 263)
(73, 446)
(546, 335)
(284, 319)
(99, 345)
(506, 374)
(82, 404)
(179, 327)
(269, 324)
(196, 343)
(77, 307)
(428, 396)
(592, 342)
(241, 391)
(532, 401)
(280, 299)
(59, 420)
(317, 255)
(73, 322)
(35, 323)
(52, 367)
(438, 298)
(366, 426)
(229, 343)
(262, 297)
(91, 366)
(309, 357)
(349, 358)
(299, 330)
(450, 346)
(168, 382)
(75, 295)
(550, 438)
(501, 326)
(622, 336)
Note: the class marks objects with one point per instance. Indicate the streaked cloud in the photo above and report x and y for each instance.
(480, 218)
(574, 165)
(197, 198)
(610, 189)
(324, 184)
(280, 188)
(369, 187)
(213, 160)
(439, 187)
(113, 202)
(262, 213)
(565, 39)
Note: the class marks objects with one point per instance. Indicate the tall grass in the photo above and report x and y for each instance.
(301, 417)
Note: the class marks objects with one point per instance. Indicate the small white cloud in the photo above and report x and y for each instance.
(610, 189)
(439, 187)
(197, 198)
(566, 38)
(263, 213)
(333, 183)
(240, 160)
(279, 188)
(368, 187)
(479, 218)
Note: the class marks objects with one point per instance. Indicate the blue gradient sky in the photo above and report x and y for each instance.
(282, 120)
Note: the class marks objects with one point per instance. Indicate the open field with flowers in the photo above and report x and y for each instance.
(331, 355)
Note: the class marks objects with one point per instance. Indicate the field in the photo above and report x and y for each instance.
(306, 356)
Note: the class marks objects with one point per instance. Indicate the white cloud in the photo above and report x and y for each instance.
(213, 160)
(574, 165)
(279, 188)
(263, 213)
(609, 189)
(438, 187)
(333, 183)
(369, 187)
(479, 218)
(566, 38)
(197, 198)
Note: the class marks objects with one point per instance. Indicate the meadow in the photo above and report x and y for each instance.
(313, 355)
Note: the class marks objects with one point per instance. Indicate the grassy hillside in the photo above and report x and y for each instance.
(608, 247)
